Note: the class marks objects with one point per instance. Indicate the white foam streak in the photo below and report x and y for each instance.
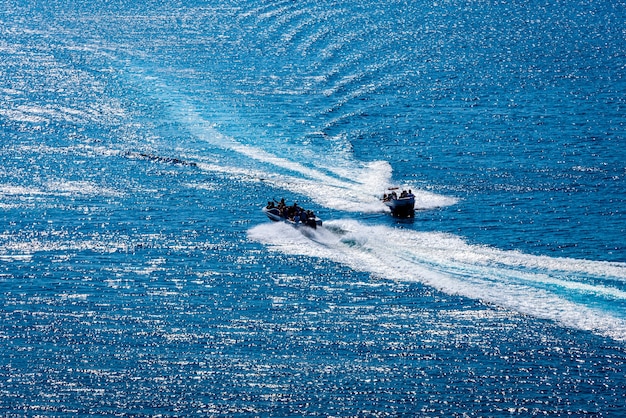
(354, 188)
(59, 188)
(567, 291)
(328, 196)
(349, 194)
(348, 185)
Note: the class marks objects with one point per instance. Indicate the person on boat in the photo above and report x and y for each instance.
(294, 211)
(270, 205)
(282, 208)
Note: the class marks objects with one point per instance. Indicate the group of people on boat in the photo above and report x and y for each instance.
(293, 212)
(394, 196)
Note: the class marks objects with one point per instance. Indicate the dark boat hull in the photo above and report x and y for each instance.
(274, 215)
(402, 207)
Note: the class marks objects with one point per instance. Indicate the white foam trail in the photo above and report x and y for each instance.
(333, 192)
(348, 186)
(357, 191)
(12, 190)
(329, 196)
(59, 188)
(574, 293)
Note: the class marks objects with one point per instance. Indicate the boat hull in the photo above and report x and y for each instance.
(401, 207)
(274, 215)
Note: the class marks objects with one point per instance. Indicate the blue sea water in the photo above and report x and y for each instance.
(140, 139)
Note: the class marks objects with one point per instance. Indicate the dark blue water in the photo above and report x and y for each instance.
(139, 140)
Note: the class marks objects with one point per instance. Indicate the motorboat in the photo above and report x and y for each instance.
(402, 205)
(293, 215)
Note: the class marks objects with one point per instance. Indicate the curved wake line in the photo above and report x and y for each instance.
(348, 197)
(568, 291)
(321, 187)
(348, 185)
(352, 187)
(543, 287)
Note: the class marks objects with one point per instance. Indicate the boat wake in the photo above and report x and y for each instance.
(585, 295)
(349, 185)
(333, 180)
(580, 294)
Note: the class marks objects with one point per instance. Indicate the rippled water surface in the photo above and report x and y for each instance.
(139, 141)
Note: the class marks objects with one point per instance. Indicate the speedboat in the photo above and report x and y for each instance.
(402, 205)
(293, 215)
